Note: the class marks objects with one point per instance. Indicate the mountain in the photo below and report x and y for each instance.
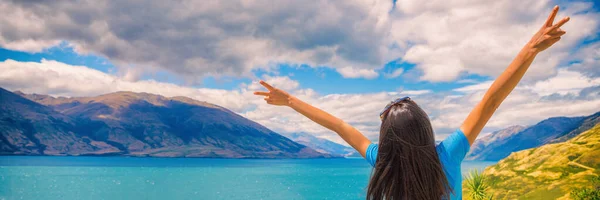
(135, 124)
(517, 138)
(28, 128)
(483, 146)
(550, 171)
(320, 144)
(588, 122)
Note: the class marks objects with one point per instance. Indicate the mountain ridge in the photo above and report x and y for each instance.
(501, 143)
(144, 124)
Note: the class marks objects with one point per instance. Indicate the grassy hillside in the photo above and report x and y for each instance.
(551, 171)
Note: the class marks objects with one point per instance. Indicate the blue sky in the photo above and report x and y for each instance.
(337, 55)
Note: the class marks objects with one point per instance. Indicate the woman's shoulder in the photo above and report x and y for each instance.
(454, 147)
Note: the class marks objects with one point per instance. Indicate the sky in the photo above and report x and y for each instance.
(349, 58)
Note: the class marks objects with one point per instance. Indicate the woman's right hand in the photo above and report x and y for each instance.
(549, 33)
(274, 96)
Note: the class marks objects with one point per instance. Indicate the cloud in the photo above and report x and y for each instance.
(475, 87)
(448, 39)
(525, 106)
(415, 92)
(207, 38)
(351, 72)
(445, 39)
(28, 45)
(565, 82)
(395, 73)
(60, 79)
(587, 60)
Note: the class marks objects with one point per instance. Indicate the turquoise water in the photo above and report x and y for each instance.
(54, 178)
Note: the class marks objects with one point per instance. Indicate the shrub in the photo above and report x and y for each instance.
(588, 193)
(476, 186)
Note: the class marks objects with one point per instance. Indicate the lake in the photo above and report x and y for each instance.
(53, 178)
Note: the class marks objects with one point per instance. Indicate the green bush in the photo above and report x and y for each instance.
(588, 193)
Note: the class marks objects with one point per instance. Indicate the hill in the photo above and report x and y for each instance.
(484, 146)
(135, 124)
(500, 144)
(588, 123)
(547, 172)
(28, 128)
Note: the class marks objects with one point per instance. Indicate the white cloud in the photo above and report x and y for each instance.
(208, 38)
(475, 87)
(587, 60)
(351, 72)
(28, 45)
(60, 79)
(565, 82)
(524, 106)
(395, 73)
(445, 38)
(415, 92)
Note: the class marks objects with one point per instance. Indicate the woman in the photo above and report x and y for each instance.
(407, 162)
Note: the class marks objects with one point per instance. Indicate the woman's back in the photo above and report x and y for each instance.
(451, 152)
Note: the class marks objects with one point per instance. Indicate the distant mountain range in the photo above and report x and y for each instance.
(135, 124)
(550, 171)
(500, 144)
(322, 145)
(142, 124)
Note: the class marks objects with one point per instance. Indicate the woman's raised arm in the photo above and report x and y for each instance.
(506, 82)
(281, 98)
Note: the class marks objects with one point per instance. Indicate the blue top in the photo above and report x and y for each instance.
(451, 152)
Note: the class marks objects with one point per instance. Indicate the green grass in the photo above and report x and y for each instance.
(543, 193)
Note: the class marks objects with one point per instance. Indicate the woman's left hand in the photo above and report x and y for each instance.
(274, 96)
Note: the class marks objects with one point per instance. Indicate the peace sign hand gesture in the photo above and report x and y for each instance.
(274, 96)
(548, 34)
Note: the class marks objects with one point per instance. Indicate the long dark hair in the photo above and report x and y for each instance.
(408, 166)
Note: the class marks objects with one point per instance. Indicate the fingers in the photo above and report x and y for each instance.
(550, 19)
(266, 85)
(557, 33)
(560, 23)
(262, 93)
(268, 100)
(553, 40)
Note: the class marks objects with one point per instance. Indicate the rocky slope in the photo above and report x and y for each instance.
(135, 124)
(28, 128)
(547, 172)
